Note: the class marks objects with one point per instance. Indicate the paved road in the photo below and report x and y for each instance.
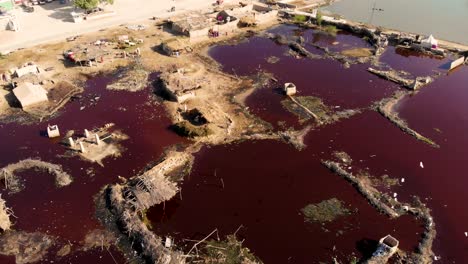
(52, 22)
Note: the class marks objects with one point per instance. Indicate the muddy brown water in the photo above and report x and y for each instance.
(69, 212)
(267, 183)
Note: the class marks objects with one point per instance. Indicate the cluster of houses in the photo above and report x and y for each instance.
(199, 26)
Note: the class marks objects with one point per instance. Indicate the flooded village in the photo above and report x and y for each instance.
(238, 132)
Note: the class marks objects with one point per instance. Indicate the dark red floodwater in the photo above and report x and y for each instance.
(267, 183)
(68, 212)
(339, 88)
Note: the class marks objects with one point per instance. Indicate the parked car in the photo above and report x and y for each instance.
(42, 2)
(35, 2)
(93, 11)
(49, 1)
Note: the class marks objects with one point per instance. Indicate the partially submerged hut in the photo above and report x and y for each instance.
(29, 94)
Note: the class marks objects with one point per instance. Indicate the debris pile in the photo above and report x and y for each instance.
(180, 86)
(5, 212)
(126, 201)
(132, 80)
(26, 247)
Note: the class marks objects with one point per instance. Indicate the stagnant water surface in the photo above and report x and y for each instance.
(263, 185)
(445, 19)
(68, 213)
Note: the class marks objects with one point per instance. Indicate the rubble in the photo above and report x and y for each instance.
(5, 212)
(126, 201)
(132, 80)
(12, 182)
(26, 247)
(180, 86)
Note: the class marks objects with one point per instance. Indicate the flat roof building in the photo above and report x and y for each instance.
(29, 94)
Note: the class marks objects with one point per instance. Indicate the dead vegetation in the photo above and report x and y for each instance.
(26, 247)
(325, 211)
(186, 129)
(13, 183)
(228, 251)
(307, 107)
(98, 239)
(133, 78)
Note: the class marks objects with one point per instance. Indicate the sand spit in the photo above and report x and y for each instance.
(386, 107)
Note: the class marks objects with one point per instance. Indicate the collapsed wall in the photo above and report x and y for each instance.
(12, 182)
(127, 201)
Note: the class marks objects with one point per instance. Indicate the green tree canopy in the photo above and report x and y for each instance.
(90, 4)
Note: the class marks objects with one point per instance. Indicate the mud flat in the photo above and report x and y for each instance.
(13, 183)
(394, 209)
(306, 107)
(386, 107)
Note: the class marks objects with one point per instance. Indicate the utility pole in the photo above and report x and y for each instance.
(373, 11)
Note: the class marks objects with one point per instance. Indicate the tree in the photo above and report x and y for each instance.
(90, 4)
(319, 18)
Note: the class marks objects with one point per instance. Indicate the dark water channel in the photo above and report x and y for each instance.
(68, 213)
(263, 185)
